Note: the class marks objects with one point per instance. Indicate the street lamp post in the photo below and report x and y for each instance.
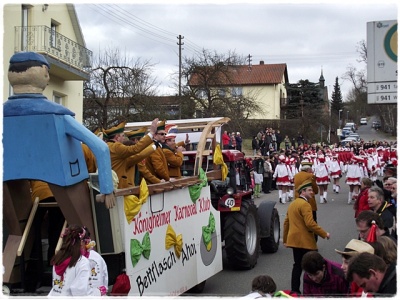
(340, 123)
(302, 103)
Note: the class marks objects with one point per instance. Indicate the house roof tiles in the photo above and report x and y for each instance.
(255, 75)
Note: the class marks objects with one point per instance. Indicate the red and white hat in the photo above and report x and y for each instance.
(170, 136)
(282, 158)
(171, 128)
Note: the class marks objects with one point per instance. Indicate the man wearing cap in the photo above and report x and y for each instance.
(139, 169)
(174, 156)
(48, 148)
(353, 248)
(121, 155)
(306, 173)
(157, 162)
(298, 230)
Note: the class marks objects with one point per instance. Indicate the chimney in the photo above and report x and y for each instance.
(261, 62)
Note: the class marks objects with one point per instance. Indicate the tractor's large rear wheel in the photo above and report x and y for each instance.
(242, 236)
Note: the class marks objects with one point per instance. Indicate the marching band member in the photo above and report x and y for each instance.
(353, 177)
(283, 177)
(322, 177)
(335, 172)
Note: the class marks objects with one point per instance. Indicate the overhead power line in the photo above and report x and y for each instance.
(128, 21)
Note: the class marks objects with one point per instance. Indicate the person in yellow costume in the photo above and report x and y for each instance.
(121, 153)
(174, 156)
(157, 162)
(137, 167)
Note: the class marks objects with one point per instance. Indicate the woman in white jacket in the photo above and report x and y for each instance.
(353, 177)
(283, 177)
(98, 266)
(335, 171)
(322, 177)
(71, 269)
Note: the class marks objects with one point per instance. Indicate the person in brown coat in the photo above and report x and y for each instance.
(304, 174)
(139, 169)
(120, 153)
(298, 230)
(157, 162)
(174, 156)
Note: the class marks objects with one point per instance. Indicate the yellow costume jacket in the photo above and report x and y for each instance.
(89, 158)
(120, 153)
(174, 160)
(157, 164)
(40, 189)
(146, 174)
(299, 226)
(298, 179)
(133, 160)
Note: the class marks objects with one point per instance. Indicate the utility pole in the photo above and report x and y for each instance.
(249, 60)
(180, 44)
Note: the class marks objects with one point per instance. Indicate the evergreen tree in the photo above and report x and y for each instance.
(304, 99)
(337, 100)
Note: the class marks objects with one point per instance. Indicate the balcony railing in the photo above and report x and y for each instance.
(43, 39)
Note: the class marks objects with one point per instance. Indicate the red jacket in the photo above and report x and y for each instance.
(225, 139)
(361, 202)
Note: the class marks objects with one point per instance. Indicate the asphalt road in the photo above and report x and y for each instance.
(367, 133)
(336, 217)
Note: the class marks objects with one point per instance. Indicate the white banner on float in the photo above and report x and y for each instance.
(166, 272)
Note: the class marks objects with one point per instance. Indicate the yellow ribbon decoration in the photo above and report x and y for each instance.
(219, 160)
(133, 204)
(172, 240)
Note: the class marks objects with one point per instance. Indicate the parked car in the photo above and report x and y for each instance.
(351, 125)
(345, 133)
(376, 125)
(347, 128)
(354, 135)
(363, 121)
(348, 140)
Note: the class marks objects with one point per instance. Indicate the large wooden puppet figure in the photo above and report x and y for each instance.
(42, 141)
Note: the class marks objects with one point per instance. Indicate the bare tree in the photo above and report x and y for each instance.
(210, 83)
(362, 50)
(120, 89)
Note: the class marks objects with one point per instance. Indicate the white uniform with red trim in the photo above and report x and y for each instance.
(353, 174)
(335, 168)
(282, 174)
(321, 173)
(363, 169)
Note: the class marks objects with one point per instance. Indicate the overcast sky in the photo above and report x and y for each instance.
(307, 37)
